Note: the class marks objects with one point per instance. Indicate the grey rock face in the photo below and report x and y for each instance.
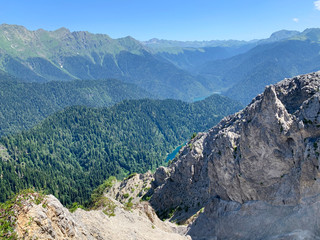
(264, 158)
(160, 176)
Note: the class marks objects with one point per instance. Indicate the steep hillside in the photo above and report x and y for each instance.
(247, 74)
(192, 59)
(22, 104)
(192, 55)
(73, 151)
(40, 56)
(259, 167)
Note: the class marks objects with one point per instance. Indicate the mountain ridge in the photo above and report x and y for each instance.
(41, 56)
(180, 72)
(245, 75)
(156, 43)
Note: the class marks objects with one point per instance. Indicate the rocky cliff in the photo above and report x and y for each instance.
(256, 174)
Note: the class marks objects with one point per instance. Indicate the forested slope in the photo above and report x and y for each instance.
(22, 104)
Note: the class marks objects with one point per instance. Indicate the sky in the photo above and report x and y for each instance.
(166, 19)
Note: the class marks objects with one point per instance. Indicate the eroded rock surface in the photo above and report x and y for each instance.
(50, 220)
(264, 159)
(132, 189)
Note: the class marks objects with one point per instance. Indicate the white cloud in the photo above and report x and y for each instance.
(317, 4)
(295, 20)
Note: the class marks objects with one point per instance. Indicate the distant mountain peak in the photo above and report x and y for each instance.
(307, 30)
(13, 26)
(62, 30)
(283, 34)
(312, 34)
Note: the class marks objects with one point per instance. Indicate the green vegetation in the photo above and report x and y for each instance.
(247, 74)
(131, 175)
(60, 55)
(98, 192)
(106, 205)
(73, 151)
(75, 206)
(7, 220)
(128, 205)
(98, 201)
(171, 212)
(22, 105)
(109, 208)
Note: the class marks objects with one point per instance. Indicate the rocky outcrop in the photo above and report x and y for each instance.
(259, 167)
(50, 220)
(132, 189)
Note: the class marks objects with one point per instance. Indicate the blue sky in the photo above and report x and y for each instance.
(166, 19)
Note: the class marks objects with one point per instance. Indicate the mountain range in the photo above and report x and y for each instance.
(59, 81)
(239, 69)
(165, 69)
(249, 73)
(40, 56)
(191, 55)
